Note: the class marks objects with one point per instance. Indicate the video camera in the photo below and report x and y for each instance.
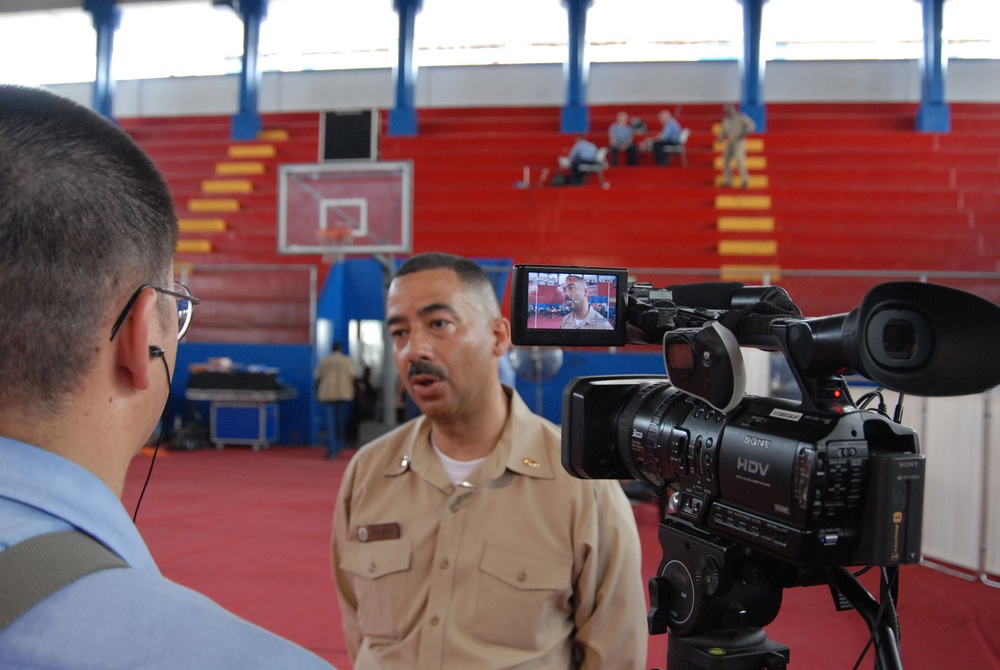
(763, 493)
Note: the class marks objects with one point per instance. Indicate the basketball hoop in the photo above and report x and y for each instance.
(334, 240)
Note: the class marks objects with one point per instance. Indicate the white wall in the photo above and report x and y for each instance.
(542, 85)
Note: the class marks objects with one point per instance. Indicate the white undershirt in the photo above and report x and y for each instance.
(457, 471)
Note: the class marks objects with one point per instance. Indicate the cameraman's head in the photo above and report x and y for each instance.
(577, 295)
(85, 221)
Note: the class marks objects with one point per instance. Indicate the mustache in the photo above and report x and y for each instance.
(425, 368)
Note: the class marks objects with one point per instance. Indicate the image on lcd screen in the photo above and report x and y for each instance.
(571, 301)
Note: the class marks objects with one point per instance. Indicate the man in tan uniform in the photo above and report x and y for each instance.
(582, 315)
(459, 541)
(735, 128)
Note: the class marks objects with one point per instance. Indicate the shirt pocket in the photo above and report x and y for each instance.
(523, 599)
(381, 574)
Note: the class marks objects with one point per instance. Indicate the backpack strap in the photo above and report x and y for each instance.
(34, 569)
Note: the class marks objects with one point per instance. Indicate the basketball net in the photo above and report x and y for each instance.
(339, 238)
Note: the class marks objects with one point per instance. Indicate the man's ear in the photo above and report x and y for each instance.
(501, 335)
(133, 341)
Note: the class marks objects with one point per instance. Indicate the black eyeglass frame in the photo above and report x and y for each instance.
(181, 330)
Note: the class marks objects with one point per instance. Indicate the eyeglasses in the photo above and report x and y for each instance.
(185, 306)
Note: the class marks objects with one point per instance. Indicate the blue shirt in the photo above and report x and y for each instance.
(671, 131)
(120, 618)
(583, 150)
(620, 134)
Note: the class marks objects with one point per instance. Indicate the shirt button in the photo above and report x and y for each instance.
(444, 564)
(435, 621)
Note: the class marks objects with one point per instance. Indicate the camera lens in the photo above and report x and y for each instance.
(650, 442)
(899, 339)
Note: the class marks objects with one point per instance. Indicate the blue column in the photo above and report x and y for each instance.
(575, 113)
(752, 65)
(106, 17)
(246, 123)
(934, 114)
(403, 117)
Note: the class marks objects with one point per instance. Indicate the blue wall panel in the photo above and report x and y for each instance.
(581, 363)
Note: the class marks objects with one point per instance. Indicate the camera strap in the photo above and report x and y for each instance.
(34, 569)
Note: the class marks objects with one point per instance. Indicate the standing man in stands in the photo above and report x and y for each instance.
(92, 318)
(735, 128)
(582, 315)
(459, 541)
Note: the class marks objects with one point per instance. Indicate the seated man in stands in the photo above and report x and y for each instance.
(584, 152)
(621, 138)
(582, 314)
(670, 136)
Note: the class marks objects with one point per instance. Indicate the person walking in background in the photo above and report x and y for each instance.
(735, 128)
(89, 343)
(335, 393)
(459, 541)
(621, 139)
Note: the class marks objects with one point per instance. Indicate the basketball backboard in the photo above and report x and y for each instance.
(345, 208)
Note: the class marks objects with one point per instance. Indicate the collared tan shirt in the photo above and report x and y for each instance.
(593, 321)
(523, 566)
(335, 378)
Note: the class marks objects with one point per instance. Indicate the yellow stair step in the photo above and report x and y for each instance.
(743, 202)
(252, 151)
(273, 135)
(194, 246)
(753, 162)
(214, 205)
(756, 181)
(226, 186)
(745, 224)
(229, 169)
(748, 247)
(202, 225)
(755, 145)
(751, 273)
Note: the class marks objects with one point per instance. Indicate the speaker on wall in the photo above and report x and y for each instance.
(349, 135)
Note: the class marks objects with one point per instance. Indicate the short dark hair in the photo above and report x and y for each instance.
(469, 273)
(85, 218)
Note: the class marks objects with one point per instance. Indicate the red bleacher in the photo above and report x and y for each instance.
(850, 186)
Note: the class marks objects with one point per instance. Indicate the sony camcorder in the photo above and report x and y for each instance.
(807, 483)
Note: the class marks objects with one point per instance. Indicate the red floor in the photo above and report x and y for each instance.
(251, 530)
